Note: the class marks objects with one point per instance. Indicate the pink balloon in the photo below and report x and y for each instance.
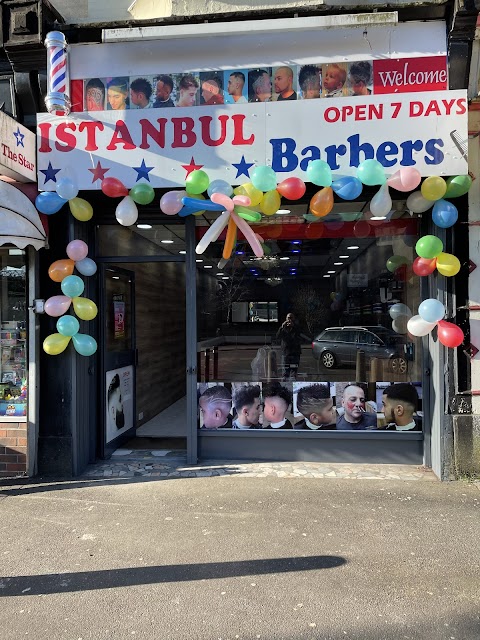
(406, 179)
(223, 200)
(171, 202)
(249, 234)
(57, 305)
(77, 250)
(449, 334)
(242, 200)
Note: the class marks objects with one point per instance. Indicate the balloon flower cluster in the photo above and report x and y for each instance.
(72, 288)
(126, 212)
(49, 202)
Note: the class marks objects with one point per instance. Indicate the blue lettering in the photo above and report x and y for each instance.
(431, 147)
(314, 155)
(384, 150)
(332, 152)
(408, 147)
(283, 154)
(356, 148)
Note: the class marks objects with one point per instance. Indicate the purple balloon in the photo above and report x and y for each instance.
(171, 202)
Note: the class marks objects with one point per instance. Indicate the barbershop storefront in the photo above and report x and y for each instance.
(272, 321)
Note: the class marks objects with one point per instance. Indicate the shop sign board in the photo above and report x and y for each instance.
(357, 280)
(118, 402)
(17, 150)
(427, 131)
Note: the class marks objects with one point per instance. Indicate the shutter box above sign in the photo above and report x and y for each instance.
(17, 150)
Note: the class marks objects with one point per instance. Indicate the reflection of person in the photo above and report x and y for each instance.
(215, 404)
(399, 403)
(141, 92)
(187, 91)
(259, 86)
(283, 84)
(115, 404)
(309, 81)
(163, 91)
(246, 400)
(235, 85)
(117, 94)
(355, 416)
(277, 400)
(333, 80)
(316, 405)
(360, 77)
(212, 91)
(95, 95)
(291, 343)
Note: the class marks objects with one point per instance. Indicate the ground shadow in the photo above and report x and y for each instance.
(113, 578)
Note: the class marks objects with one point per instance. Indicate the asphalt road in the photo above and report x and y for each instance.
(232, 557)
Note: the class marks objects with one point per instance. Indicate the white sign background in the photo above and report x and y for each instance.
(396, 127)
(126, 389)
(17, 150)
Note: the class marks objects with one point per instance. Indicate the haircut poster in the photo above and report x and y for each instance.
(118, 402)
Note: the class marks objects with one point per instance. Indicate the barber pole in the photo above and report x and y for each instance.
(57, 98)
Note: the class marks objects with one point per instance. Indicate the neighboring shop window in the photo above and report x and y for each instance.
(326, 346)
(13, 338)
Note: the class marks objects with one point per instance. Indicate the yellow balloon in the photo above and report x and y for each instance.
(55, 344)
(85, 308)
(81, 209)
(251, 192)
(447, 264)
(433, 188)
(270, 203)
(197, 196)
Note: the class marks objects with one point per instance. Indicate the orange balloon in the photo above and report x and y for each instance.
(230, 239)
(322, 202)
(60, 269)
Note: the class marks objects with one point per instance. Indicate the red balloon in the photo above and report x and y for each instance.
(449, 334)
(114, 188)
(424, 266)
(292, 188)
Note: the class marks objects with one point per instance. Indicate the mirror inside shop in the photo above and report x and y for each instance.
(13, 372)
(313, 335)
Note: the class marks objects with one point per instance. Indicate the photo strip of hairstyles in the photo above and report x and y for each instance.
(142, 85)
(402, 392)
(272, 389)
(313, 398)
(216, 394)
(245, 395)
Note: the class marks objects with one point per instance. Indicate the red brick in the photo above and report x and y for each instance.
(16, 449)
(8, 442)
(14, 433)
(22, 457)
(9, 457)
(13, 466)
(3, 433)
(22, 442)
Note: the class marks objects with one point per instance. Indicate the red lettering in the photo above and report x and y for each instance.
(44, 137)
(206, 137)
(416, 109)
(121, 135)
(91, 128)
(347, 112)
(69, 140)
(183, 134)
(238, 137)
(461, 106)
(158, 135)
(332, 114)
(433, 108)
(361, 112)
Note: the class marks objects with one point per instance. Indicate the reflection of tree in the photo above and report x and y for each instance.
(312, 310)
(232, 290)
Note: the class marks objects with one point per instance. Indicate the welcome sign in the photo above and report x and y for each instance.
(426, 130)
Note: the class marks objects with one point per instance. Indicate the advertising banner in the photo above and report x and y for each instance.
(118, 402)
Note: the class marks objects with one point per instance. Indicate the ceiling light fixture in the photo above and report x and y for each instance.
(144, 226)
(354, 246)
(337, 264)
(207, 266)
(167, 241)
(284, 258)
(182, 252)
(283, 212)
(344, 257)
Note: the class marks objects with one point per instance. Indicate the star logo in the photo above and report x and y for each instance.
(242, 167)
(19, 136)
(191, 167)
(98, 172)
(142, 171)
(49, 173)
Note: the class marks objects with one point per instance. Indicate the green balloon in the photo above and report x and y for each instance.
(197, 182)
(429, 247)
(142, 193)
(371, 172)
(395, 262)
(457, 186)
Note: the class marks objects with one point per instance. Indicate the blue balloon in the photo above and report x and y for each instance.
(72, 286)
(347, 188)
(264, 178)
(431, 310)
(67, 189)
(444, 214)
(187, 211)
(49, 202)
(220, 186)
(319, 172)
(68, 326)
(199, 205)
(86, 267)
(84, 344)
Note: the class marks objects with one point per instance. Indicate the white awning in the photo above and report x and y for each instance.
(20, 223)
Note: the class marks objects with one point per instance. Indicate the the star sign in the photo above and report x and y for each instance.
(142, 171)
(19, 136)
(242, 167)
(99, 172)
(49, 173)
(191, 167)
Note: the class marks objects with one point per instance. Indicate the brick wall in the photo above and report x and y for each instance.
(13, 448)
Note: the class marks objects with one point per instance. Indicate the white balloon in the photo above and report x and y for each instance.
(214, 231)
(399, 325)
(419, 327)
(417, 203)
(398, 310)
(381, 202)
(126, 212)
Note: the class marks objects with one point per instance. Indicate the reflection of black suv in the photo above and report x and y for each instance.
(338, 346)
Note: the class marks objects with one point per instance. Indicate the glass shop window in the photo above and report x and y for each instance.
(13, 333)
(312, 336)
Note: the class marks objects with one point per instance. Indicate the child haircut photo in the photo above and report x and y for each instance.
(315, 403)
(334, 77)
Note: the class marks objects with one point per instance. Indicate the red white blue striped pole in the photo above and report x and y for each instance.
(58, 88)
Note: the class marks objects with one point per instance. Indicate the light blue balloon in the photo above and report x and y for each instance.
(86, 267)
(431, 310)
(220, 186)
(49, 202)
(444, 214)
(348, 188)
(68, 326)
(72, 286)
(319, 172)
(264, 178)
(67, 189)
(84, 344)
(371, 172)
